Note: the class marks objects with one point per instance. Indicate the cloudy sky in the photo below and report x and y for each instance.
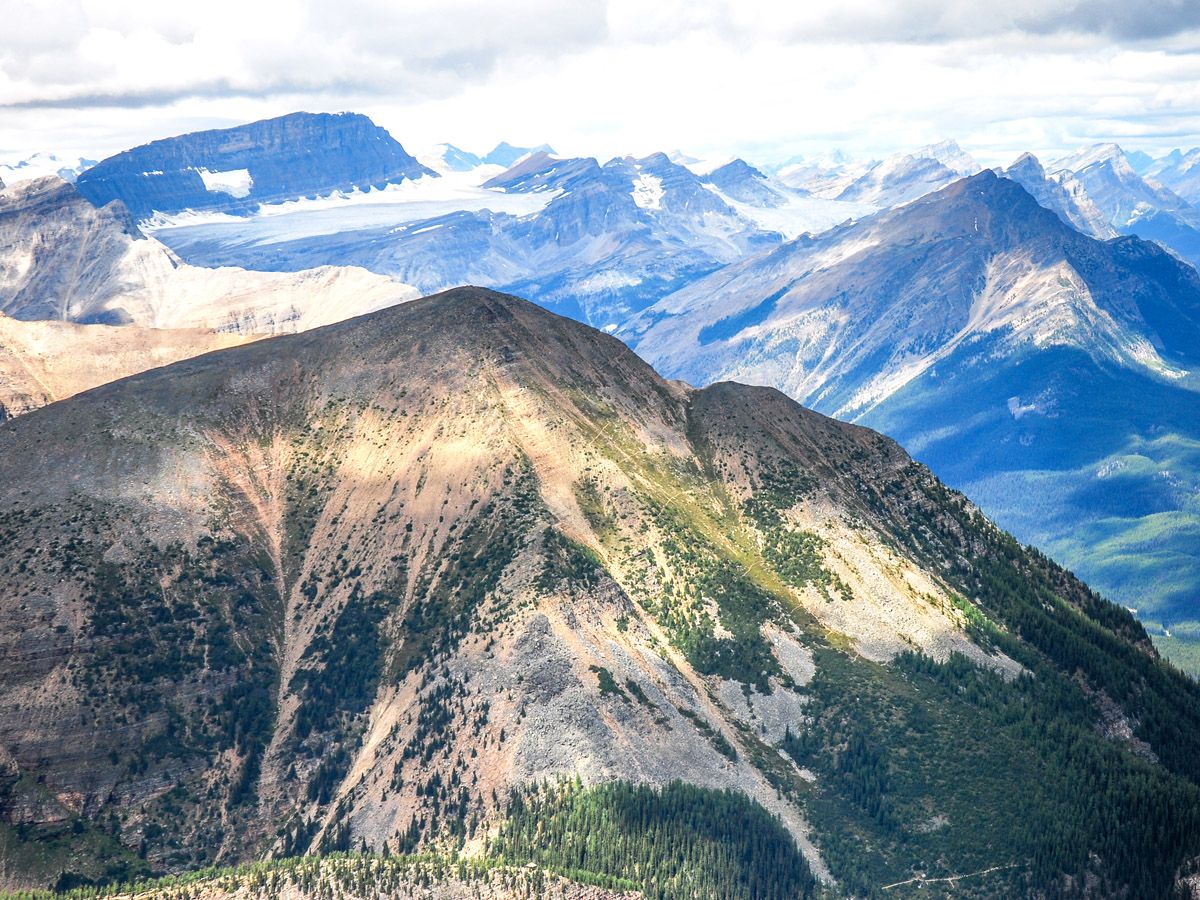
(768, 80)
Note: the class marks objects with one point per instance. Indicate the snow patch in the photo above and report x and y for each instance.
(648, 191)
(234, 182)
(611, 280)
(412, 200)
(799, 215)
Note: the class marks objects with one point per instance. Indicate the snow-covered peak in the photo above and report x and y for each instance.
(1096, 155)
(1028, 163)
(1063, 194)
(1177, 161)
(1179, 171)
(505, 154)
(683, 159)
(445, 157)
(39, 165)
(950, 155)
(704, 167)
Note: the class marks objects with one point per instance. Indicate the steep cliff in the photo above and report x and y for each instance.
(235, 169)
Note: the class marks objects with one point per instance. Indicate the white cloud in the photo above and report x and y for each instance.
(762, 78)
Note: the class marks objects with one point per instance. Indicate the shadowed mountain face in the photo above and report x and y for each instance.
(235, 169)
(1049, 374)
(350, 587)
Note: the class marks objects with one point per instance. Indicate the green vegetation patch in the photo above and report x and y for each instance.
(671, 843)
(339, 672)
(608, 684)
(947, 769)
(706, 577)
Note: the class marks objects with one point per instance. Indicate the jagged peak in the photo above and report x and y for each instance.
(1027, 162)
(1096, 154)
(737, 168)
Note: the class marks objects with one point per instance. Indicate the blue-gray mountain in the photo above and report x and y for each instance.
(1049, 374)
(505, 154)
(1132, 203)
(1179, 171)
(235, 170)
(610, 240)
(741, 181)
(1062, 194)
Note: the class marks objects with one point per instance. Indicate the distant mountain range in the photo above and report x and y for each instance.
(882, 183)
(39, 165)
(1178, 171)
(447, 157)
(602, 241)
(1132, 203)
(846, 283)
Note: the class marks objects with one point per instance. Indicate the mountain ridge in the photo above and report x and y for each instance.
(62, 258)
(878, 319)
(236, 169)
(355, 586)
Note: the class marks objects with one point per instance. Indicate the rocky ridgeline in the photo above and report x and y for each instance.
(237, 169)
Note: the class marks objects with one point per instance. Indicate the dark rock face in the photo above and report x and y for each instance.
(235, 170)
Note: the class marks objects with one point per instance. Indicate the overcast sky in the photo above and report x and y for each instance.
(767, 80)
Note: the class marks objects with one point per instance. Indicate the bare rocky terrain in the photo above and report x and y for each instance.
(356, 588)
(44, 361)
(61, 258)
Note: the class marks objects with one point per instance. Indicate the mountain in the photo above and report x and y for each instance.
(464, 577)
(1177, 171)
(235, 170)
(505, 154)
(449, 158)
(952, 156)
(40, 165)
(741, 181)
(904, 177)
(816, 173)
(1141, 162)
(1049, 375)
(890, 182)
(599, 241)
(1133, 204)
(63, 258)
(41, 362)
(1063, 195)
(540, 171)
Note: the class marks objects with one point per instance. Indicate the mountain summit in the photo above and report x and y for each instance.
(234, 170)
(367, 587)
(1041, 370)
